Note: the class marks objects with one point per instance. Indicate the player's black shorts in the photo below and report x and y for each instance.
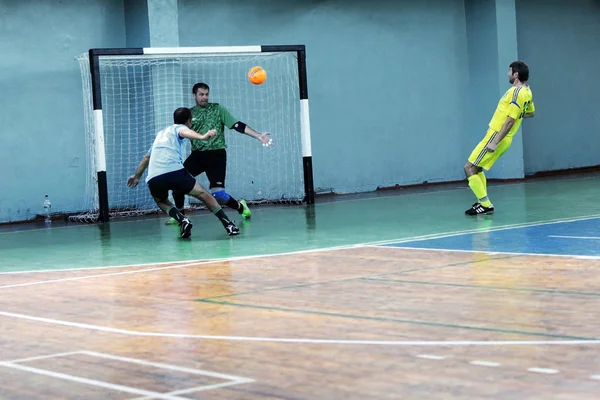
(177, 181)
(213, 162)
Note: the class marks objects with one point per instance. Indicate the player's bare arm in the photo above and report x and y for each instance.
(247, 130)
(528, 115)
(508, 124)
(190, 134)
(134, 179)
(263, 137)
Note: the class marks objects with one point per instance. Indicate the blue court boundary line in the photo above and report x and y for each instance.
(433, 236)
(399, 243)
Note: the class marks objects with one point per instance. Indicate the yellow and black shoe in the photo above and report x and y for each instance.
(478, 209)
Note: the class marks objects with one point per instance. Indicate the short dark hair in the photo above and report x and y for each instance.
(200, 85)
(522, 69)
(182, 115)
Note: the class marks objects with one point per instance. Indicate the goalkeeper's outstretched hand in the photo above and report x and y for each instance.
(265, 139)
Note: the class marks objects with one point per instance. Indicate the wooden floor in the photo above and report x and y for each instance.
(363, 322)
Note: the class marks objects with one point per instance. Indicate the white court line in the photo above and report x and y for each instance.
(78, 278)
(300, 340)
(232, 379)
(164, 366)
(55, 270)
(21, 360)
(93, 382)
(430, 357)
(325, 249)
(595, 377)
(200, 388)
(486, 252)
(485, 363)
(575, 237)
(543, 370)
(185, 265)
(204, 260)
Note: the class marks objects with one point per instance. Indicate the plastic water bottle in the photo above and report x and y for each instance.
(47, 209)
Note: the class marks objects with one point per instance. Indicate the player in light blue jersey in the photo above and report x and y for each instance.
(164, 162)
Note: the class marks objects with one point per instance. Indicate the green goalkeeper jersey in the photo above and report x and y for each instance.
(213, 116)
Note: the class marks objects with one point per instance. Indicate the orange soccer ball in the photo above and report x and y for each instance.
(257, 75)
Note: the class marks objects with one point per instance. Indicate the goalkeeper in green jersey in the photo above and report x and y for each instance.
(210, 156)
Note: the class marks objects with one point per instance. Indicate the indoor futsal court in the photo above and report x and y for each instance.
(392, 295)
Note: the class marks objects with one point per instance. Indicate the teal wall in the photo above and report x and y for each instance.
(399, 92)
(492, 46)
(562, 45)
(137, 23)
(42, 143)
(386, 101)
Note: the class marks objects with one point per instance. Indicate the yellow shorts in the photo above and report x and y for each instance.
(480, 157)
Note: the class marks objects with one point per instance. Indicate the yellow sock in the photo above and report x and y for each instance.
(481, 176)
(478, 187)
(486, 202)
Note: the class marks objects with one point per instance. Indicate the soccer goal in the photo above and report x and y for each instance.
(130, 94)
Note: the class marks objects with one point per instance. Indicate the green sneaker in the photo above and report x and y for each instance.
(171, 221)
(246, 213)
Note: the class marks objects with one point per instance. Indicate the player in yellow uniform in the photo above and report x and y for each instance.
(516, 104)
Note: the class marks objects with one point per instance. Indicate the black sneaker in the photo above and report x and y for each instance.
(478, 209)
(232, 230)
(185, 228)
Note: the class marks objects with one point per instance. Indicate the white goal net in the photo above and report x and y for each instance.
(139, 94)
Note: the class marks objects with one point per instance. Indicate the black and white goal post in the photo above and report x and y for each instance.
(130, 94)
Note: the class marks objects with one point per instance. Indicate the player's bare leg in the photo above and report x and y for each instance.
(478, 184)
(211, 203)
(179, 199)
(185, 226)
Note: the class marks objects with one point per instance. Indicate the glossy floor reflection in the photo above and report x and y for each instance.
(415, 300)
